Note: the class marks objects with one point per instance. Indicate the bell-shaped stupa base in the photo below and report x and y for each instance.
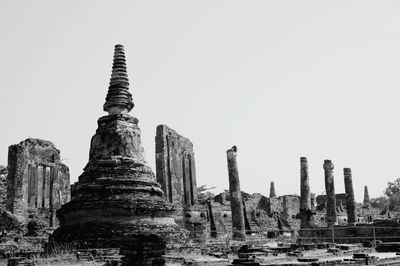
(117, 197)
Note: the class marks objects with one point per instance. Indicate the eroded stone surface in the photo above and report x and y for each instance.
(37, 182)
(176, 172)
(330, 193)
(350, 201)
(3, 186)
(238, 226)
(175, 167)
(306, 213)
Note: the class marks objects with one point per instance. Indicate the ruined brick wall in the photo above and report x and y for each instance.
(37, 182)
(386, 231)
(222, 218)
(175, 166)
(291, 210)
(263, 214)
(290, 205)
(321, 199)
(274, 206)
(3, 186)
(258, 212)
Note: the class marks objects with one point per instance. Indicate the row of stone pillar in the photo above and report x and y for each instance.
(238, 221)
(305, 195)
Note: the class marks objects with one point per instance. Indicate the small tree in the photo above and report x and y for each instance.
(204, 195)
(380, 203)
(393, 194)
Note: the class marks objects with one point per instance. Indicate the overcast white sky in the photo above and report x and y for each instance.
(279, 79)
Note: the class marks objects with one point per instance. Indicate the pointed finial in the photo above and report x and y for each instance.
(119, 99)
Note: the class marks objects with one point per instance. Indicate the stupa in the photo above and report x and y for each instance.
(117, 201)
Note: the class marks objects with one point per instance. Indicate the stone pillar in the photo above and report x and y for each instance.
(339, 205)
(350, 202)
(312, 201)
(272, 193)
(305, 196)
(238, 229)
(40, 186)
(186, 180)
(330, 193)
(193, 184)
(246, 220)
(367, 200)
(213, 228)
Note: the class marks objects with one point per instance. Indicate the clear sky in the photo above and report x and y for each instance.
(279, 79)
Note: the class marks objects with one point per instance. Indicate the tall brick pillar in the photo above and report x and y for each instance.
(305, 196)
(330, 193)
(350, 202)
(238, 228)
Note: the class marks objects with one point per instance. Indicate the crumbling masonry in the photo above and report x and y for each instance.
(37, 181)
(117, 201)
(176, 172)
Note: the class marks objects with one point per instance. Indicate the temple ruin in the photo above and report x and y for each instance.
(37, 181)
(118, 205)
(117, 201)
(175, 167)
(176, 172)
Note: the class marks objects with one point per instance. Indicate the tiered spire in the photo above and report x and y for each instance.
(119, 99)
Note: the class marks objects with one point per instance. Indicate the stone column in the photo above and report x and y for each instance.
(238, 229)
(193, 179)
(186, 180)
(312, 201)
(305, 196)
(213, 228)
(350, 202)
(330, 193)
(246, 220)
(272, 193)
